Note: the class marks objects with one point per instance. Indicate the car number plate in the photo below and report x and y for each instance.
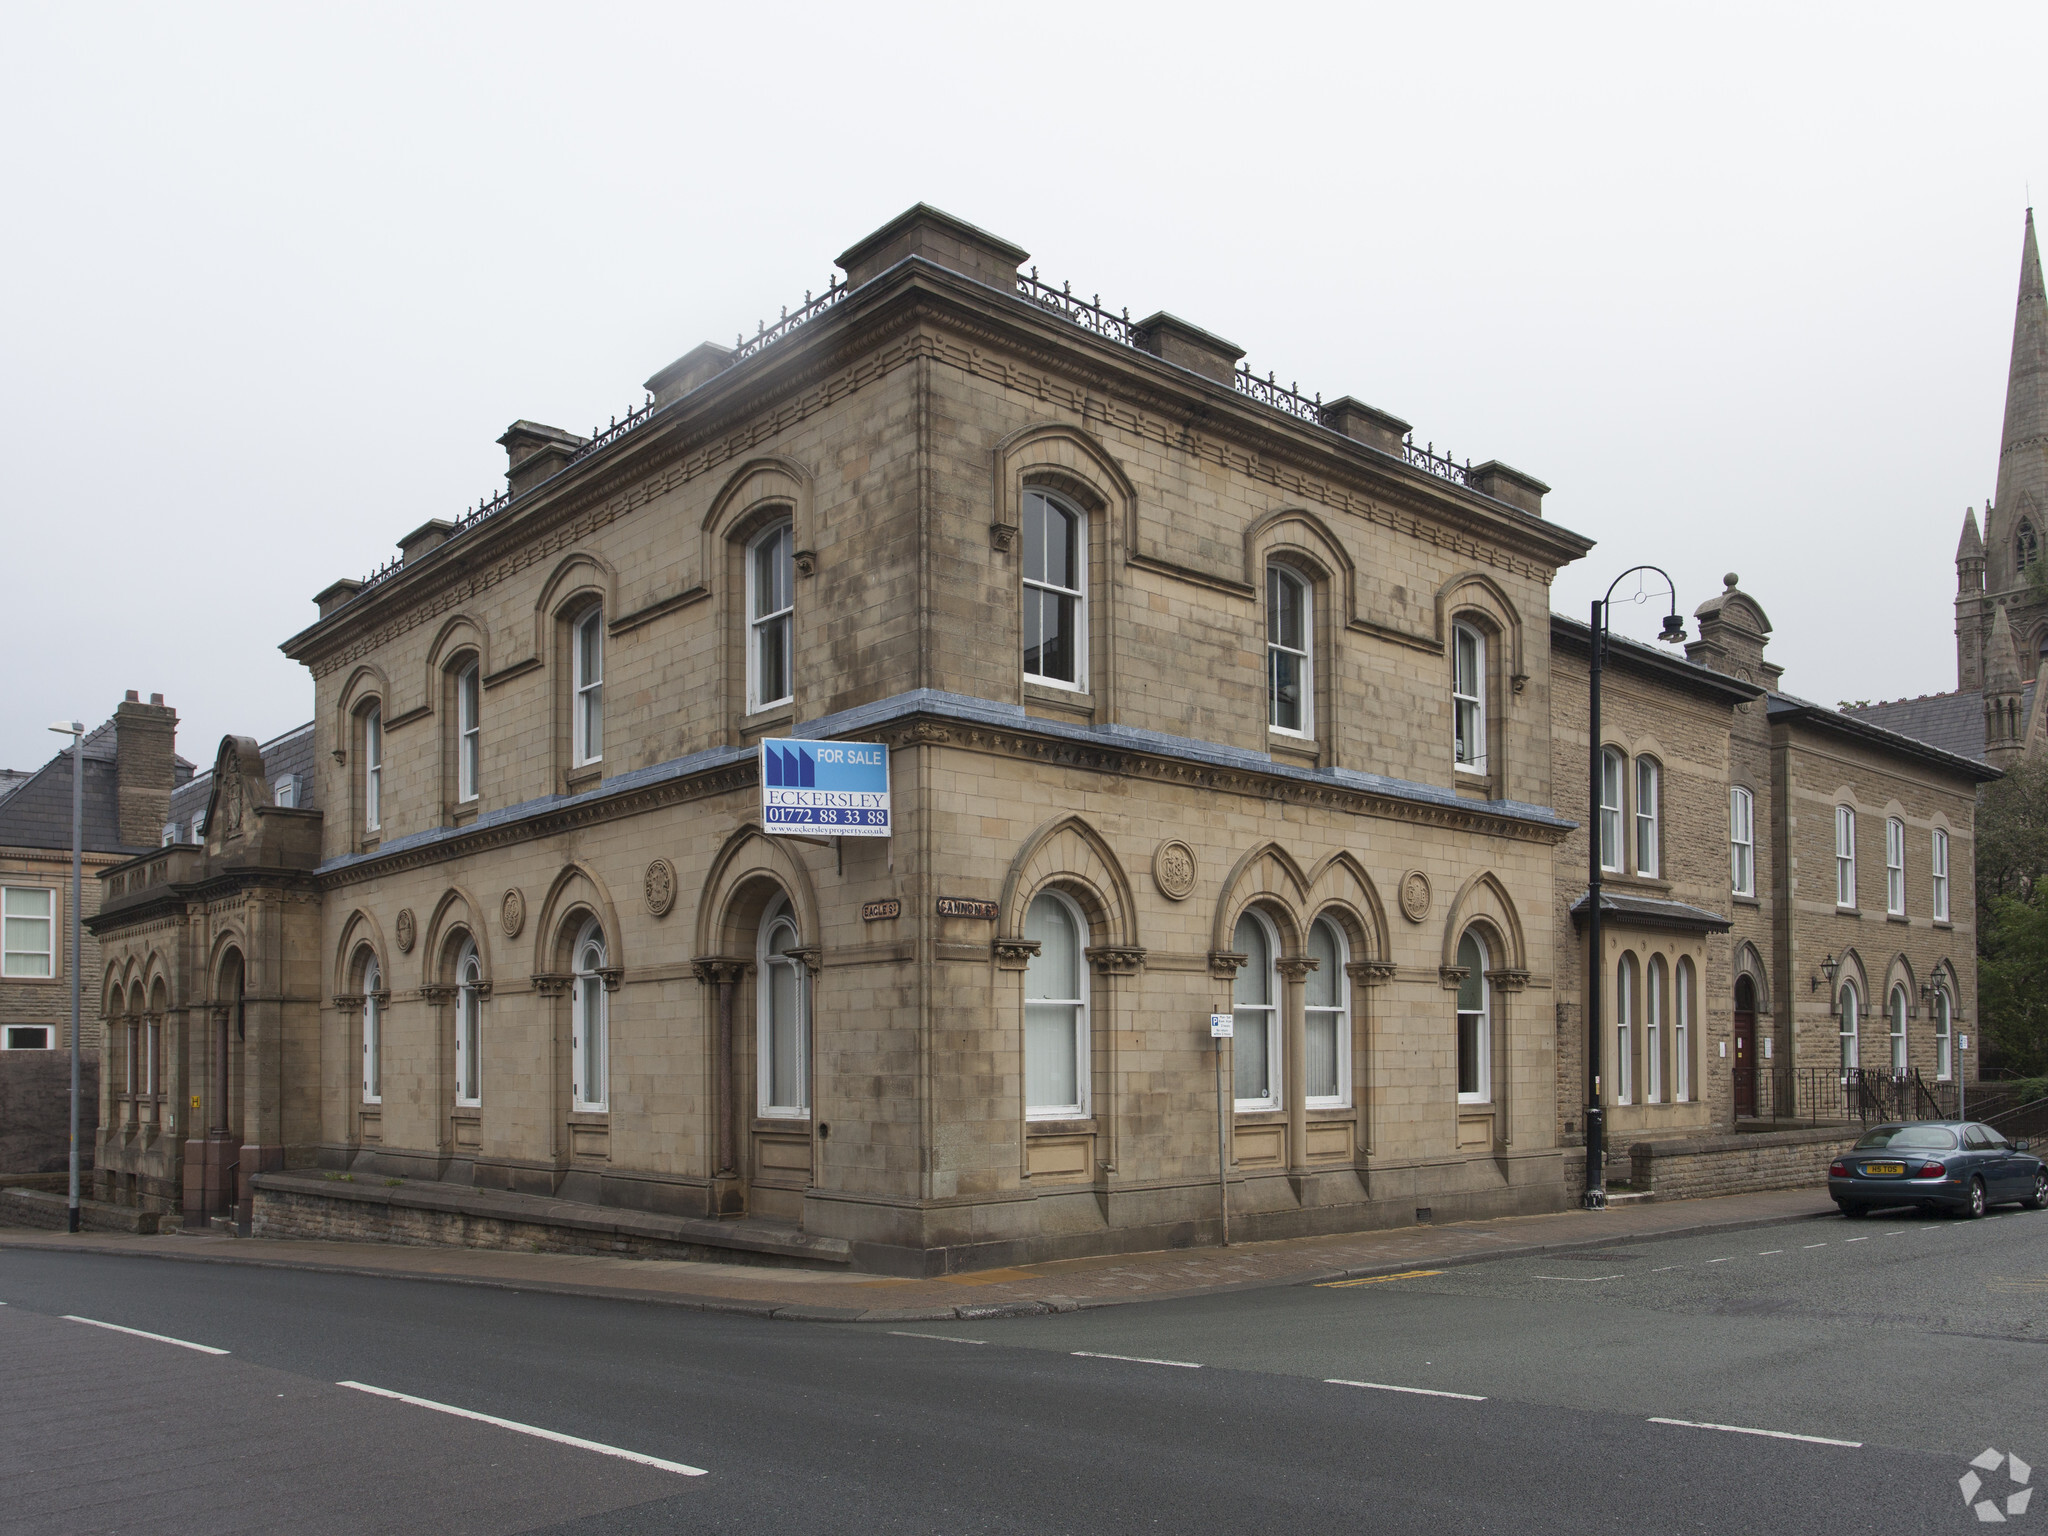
(1876, 1169)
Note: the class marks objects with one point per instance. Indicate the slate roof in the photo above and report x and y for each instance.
(1953, 722)
(37, 812)
(1651, 912)
(290, 753)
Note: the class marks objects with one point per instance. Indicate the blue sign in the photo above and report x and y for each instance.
(825, 788)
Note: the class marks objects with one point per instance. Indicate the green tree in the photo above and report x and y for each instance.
(2012, 917)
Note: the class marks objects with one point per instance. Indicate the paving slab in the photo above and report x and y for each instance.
(1060, 1286)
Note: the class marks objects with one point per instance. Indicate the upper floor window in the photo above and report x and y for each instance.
(469, 1027)
(588, 682)
(589, 1023)
(1845, 856)
(373, 769)
(1475, 1023)
(1940, 866)
(1327, 1003)
(468, 732)
(170, 833)
(1255, 1029)
(771, 604)
(285, 791)
(1895, 867)
(28, 918)
(1468, 696)
(2026, 545)
(1289, 704)
(1649, 782)
(1055, 591)
(1610, 809)
(1055, 1011)
(1742, 841)
(785, 1048)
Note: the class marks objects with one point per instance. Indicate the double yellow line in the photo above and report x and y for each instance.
(1406, 1274)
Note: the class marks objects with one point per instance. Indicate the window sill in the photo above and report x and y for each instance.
(1058, 1125)
(1898, 917)
(1475, 786)
(1943, 922)
(577, 780)
(1071, 702)
(1303, 749)
(767, 1121)
(584, 1114)
(1637, 882)
(1329, 1111)
(464, 813)
(765, 722)
(1842, 911)
(1746, 901)
(1263, 1114)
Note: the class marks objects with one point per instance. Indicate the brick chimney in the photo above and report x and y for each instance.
(145, 767)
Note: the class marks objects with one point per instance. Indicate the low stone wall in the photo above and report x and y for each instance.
(1736, 1165)
(51, 1212)
(35, 1110)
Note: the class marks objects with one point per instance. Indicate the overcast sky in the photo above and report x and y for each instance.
(1740, 287)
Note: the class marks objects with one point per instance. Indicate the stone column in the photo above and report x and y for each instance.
(1294, 971)
(1367, 978)
(726, 1196)
(1109, 962)
(1506, 983)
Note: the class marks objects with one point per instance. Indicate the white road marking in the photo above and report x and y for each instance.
(1186, 1365)
(1855, 1239)
(1720, 1261)
(1816, 1245)
(527, 1429)
(1773, 1434)
(1581, 1279)
(161, 1338)
(1766, 1253)
(946, 1338)
(1381, 1386)
(1662, 1267)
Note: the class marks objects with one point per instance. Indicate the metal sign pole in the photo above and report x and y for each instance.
(1221, 1027)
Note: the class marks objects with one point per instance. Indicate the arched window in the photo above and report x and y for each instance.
(1895, 867)
(590, 1023)
(373, 1033)
(1741, 842)
(1475, 1023)
(1255, 1043)
(1681, 1033)
(1055, 1011)
(1653, 1032)
(1611, 781)
(1649, 786)
(785, 1038)
(1468, 697)
(373, 768)
(2026, 546)
(1055, 591)
(1289, 686)
(1849, 1018)
(1896, 1014)
(468, 733)
(1624, 1029)
(469, 1026)
(1845, 856)
(771, 604)
(1944, 1036)
(1327, 998)
(587, 682)
(1940, 868)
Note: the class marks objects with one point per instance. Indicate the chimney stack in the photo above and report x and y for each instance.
(145, 767)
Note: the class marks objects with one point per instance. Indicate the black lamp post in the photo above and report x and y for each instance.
(1596, 1138)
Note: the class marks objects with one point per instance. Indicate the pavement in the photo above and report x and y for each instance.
(1026, 1290)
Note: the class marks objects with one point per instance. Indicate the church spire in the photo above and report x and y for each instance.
(2023, 451)
(1971, 545)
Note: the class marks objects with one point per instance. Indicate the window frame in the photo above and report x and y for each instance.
(50, 954)
(1340, 1015)
(1077, 594)
(780, 916)
(1938, 874)
(1625, 971)
(1654, 974)
(1648, 824)
(1849, 1025)
(1681, 1030)
(782, 620)
(1894, 867)
(590, 1043)
(1468, 700)
(469, 1027)
(1276, 1096)
(373, 767)
(1895, 1016)
(1279, 575)
(1482, 1029)
(1080, 1039)
(1845, 858)
(469, 700)
(586, 693)
(1944, 1036)
(373, 1032)
(1614, 768)
(1741, 841)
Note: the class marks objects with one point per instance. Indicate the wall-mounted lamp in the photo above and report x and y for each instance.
(1828, 967)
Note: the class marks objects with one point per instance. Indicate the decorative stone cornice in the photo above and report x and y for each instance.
(1116, 959)
(1370, 973)
(437, 993)
(1452, 977)
(1508, 979)
(1295, 967)
(714, 969)
(552, 983)
(1015, 954)
(810, 956)
(1224, 964)
(611, 976)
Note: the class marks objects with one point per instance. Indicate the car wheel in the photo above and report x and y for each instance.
(1977, 1202)
(1852, 1210)
(2039, 1197)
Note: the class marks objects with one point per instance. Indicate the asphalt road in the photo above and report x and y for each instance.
(1921, 1340)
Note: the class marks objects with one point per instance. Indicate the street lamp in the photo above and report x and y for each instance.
(1596, 1140)
(76, 731)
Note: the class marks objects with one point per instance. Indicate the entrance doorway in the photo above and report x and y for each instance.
(1745, 1049)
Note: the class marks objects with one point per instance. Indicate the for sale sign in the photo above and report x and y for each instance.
(825, 788)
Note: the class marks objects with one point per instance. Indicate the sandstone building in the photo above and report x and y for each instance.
(1200, 696)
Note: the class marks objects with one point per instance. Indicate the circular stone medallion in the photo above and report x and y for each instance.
(407, 931)
(1415, 895)
(513, 913)
(1174, 869)
(661, 887)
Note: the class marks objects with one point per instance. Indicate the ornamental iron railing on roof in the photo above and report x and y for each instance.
(1086, 313)
(765, 334)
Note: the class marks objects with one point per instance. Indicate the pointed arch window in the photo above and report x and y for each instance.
(1327, 1004)
(469, 1027)
(1848, 1027)
(1468, 697)
(590, 1023)
(1055, 591)
(1624, 1029)
(2025, 545)
(1944, 1036)
(771, 609)
(1475, 1022)
(1289, 686)
(784, 1007)
(373, 768)
(1653, 1030)
(1681, 1032)
(468, 732)
(1896, 1016)
(1255, 1033)
(1055, 1011)
(587, 681)
(373, 1033)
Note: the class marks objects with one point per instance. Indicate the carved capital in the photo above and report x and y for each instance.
(810, 956)
(1295, 967)
(436, 992)
(1453, 977)
(1002, 537)
(482, 989)
(806, 562)
(1224, 964)
(1508, 979)
(713, 969)
(1015, 954)
(342, 1000)
(552, 983)
(1370, 973)
(611, 975)
(1115, 959)
(1519, 681)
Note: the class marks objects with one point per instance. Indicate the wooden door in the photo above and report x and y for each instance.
(1745, 1063)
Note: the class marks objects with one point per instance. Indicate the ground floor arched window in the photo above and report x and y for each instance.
(590, 1023)
(784, 1041)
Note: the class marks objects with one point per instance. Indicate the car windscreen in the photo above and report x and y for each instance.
(1899, 1138)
